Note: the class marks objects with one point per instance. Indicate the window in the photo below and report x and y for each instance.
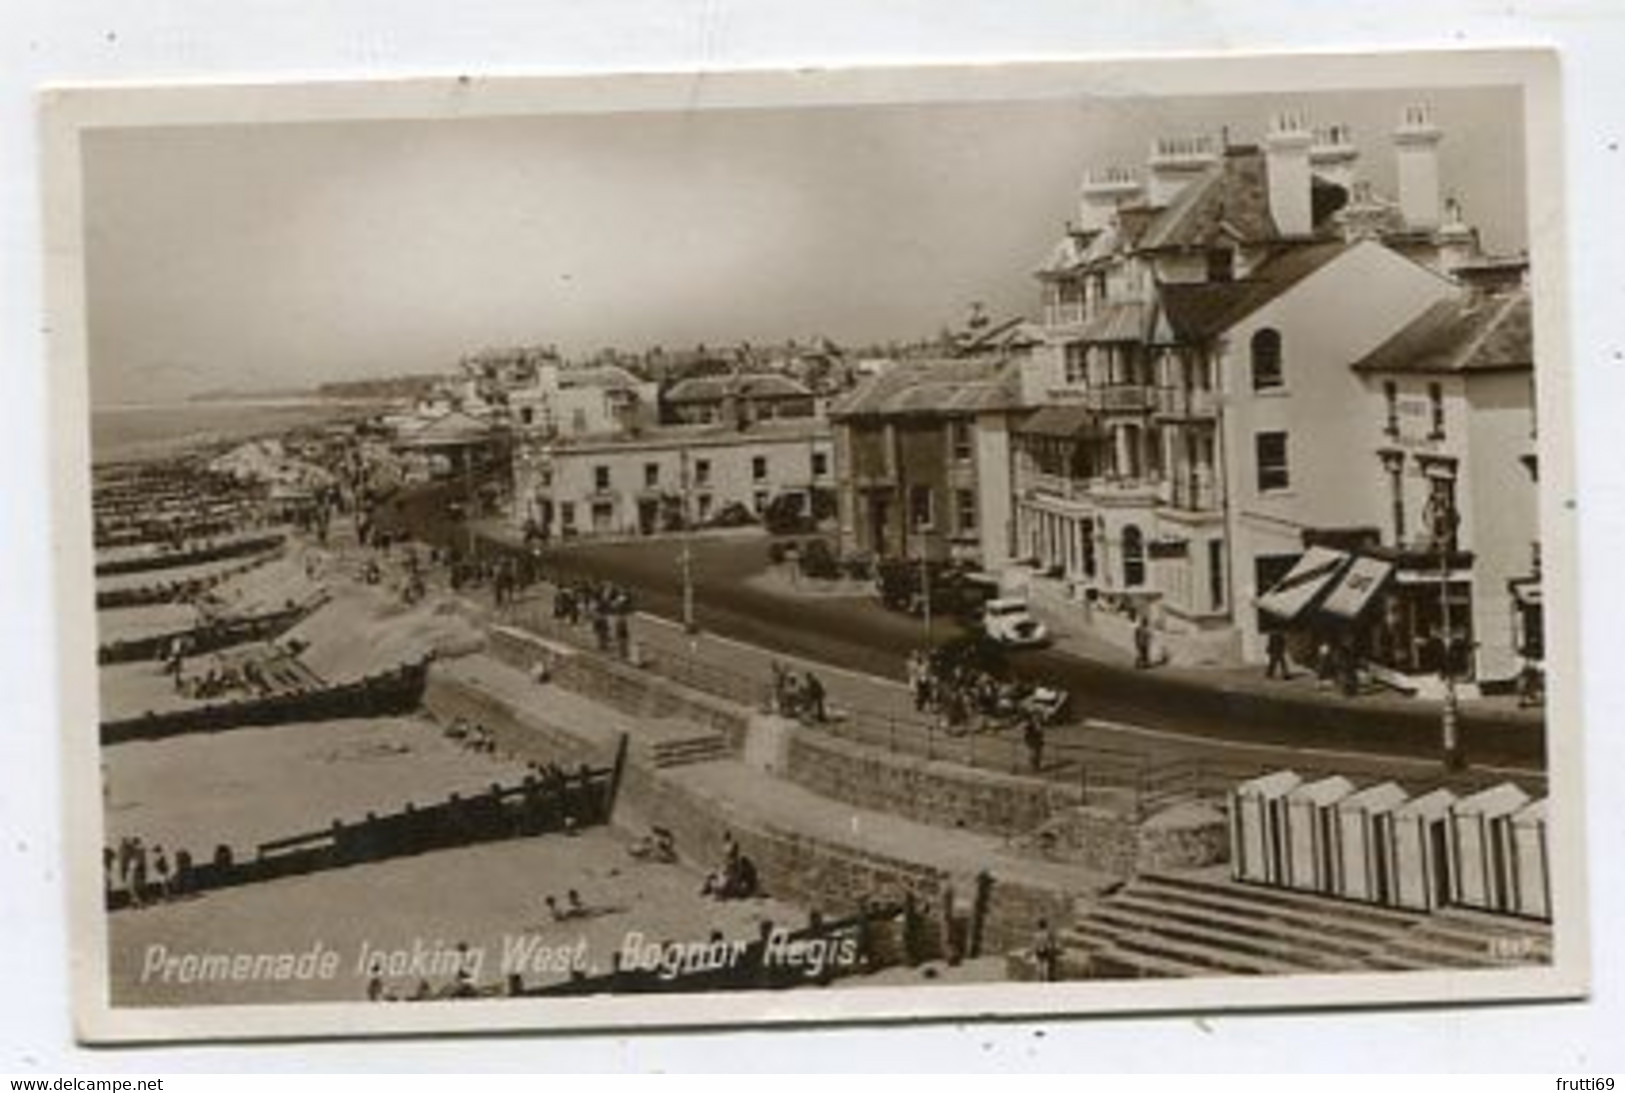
(651, 475)
(758, 468)
(920, 507)
(1436, 408)
(600, 478)
(759, 501)
(578, 420)
(1270, 449)
(703, 506)
(1221, 264)
(1266, 351)
(1393, 463)
(959, 431)
(1215, 574)
(1390, 397)
(702, 472)
(820, 464)
(527, 415)
(567, 514)
(1133, 557)
(1075, 358)
(965, 509)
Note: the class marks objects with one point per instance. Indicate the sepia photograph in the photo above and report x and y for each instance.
(1040, 538)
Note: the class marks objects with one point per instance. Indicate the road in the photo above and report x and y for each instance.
(862, 636)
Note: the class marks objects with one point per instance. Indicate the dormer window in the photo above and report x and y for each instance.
(1221, 264)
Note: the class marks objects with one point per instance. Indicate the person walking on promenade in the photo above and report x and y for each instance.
(1032, 734)
(1142, 642)
(1275, 646)
(814, 691)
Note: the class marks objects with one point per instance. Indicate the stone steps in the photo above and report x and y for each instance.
(1295, 939)
(702, 747)
(1109, 930)
(1219, 886)
(1163, 925)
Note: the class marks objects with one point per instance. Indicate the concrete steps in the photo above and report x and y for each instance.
(1163, 925)
(678, 751)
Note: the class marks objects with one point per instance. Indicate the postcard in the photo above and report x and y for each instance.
(680, 549)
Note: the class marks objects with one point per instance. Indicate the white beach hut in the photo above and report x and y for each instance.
(1358, 864)
(1531, 890)
(1481, 847)
(1416, 857)
(1258, 827)
(1309, 832)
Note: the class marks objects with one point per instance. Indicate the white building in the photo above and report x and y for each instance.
(668, 478)
(1200, 425)
(581, 401)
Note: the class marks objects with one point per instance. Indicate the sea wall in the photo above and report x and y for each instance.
(626, 688)
(518, 712)
(835, 878)
(930, 791)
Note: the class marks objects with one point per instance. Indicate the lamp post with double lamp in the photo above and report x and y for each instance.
(1445, 521)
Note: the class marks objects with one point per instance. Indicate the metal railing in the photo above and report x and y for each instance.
(1132, 781)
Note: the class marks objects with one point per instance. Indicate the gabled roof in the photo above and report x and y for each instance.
(951, 386)
(1231, 199)
(598, 375)
(1470, 333)
(743, 385)
(1201, 310)
(455, 427)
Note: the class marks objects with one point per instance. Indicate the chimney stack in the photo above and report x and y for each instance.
(1416, 147)
(1332, 155)
(1104, 191)
(1287, 169)
(1457, 243)
(1175, 163)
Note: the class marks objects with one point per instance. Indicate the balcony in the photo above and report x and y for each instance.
(1119, 399)
(1065, 314)
(1194, 492)
(1058, 485)
(1186, 403)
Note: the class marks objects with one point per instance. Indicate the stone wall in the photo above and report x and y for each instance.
(629, 689)
(829, 877)
(930, 791)
(520, 725)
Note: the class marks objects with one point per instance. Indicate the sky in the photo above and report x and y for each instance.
(278, 256)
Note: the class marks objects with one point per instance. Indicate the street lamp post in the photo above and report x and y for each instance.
(1445, 520)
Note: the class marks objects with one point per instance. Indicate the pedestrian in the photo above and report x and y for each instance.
(1032, 734)
(1046, 952)
(1275, 646)
(1142, 642)
(814, 690)
(160, 871)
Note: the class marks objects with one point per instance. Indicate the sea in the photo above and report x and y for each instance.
(141, 431)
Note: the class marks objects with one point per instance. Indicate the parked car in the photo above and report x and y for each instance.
(954, 591)
(1009, 622)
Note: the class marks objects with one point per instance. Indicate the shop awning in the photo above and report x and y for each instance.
(1357, 588)
(1300, 588)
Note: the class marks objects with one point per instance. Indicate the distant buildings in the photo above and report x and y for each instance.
(671, 478)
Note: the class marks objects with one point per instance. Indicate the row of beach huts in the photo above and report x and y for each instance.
(1379, 844)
